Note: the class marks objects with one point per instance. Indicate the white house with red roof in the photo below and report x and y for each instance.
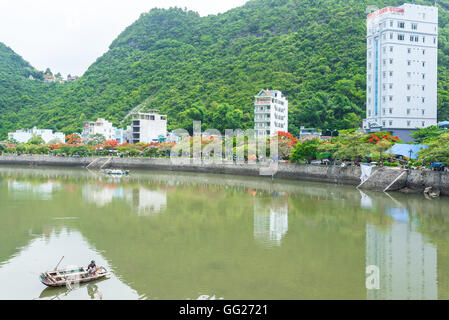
(270, 113)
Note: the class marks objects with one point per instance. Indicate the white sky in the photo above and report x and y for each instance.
(69, 35)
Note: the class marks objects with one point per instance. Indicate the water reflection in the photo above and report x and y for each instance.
(145, 202)
(41, 191)
(271, 219)
(210, 242)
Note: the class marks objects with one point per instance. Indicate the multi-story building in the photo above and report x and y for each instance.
(23, 136)
(270, 113)
(402, 50)
(147, 127)
(101, 126)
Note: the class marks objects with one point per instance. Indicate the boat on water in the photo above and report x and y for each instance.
(116, 172)
(60, 278)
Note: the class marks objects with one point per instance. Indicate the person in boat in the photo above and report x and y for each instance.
(92, 268)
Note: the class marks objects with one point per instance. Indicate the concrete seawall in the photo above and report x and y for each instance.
(393, 179)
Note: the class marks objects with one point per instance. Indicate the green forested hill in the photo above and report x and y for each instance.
(210, 68)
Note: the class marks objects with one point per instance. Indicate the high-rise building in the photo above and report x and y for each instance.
(270, 113)
(401, 84)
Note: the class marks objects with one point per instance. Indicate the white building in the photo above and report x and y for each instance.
(23, 136)
(402, 51)
(270, 113)
(147, 127)
(101, 126)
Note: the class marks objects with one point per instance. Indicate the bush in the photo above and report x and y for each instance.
(391, 164)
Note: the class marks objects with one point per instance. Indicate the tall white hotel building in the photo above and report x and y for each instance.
(402, 53)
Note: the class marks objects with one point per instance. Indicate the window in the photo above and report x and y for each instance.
(423, 124)
(391, 110)
(391, 98)
(384, 62)
(383, 36)
(391, 23)
(409, 50)
(385, 49)
(423, 64)
(384, 99)
(383, 111)
(423, 76)
(409, 74)
(384, 74)
(408, 111)
(401, 25)
(391, 74)
(412, 38)
(424, 52)
(434, 40)
(416, 39)
(408, 123)
(423, 111)
(391, 49)
(384, 87)
(391, 123)
(408, 87)
(423, 39)
(369, 113)
(391, 61)
(423, 100)
(383, 123)
(409, 62)
(391, 86)
(369, 65)
(414, 26)
(408, 99)
(423, 88)
(391, 35)
(400, 37)
(369, 54)
(369, 89)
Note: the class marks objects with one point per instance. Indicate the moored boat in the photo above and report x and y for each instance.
(60, 278)
(116, 172)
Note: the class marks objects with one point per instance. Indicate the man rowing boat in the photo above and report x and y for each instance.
(92, 268)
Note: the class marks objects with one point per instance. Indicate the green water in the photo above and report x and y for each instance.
(190, 236)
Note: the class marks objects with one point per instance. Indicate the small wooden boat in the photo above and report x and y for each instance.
(60, 278)
(116, 172)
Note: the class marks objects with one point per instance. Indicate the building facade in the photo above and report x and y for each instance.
(101, 126)
(23, 136)
(270, 113)
(147, 127)
(402, 51)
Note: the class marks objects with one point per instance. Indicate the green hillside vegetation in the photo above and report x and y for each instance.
(210, 68)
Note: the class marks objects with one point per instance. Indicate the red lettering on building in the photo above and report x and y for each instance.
(385, 10)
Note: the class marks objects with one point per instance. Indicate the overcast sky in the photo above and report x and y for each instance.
(69, 35)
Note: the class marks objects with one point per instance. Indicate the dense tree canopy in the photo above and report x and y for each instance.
(210, 68)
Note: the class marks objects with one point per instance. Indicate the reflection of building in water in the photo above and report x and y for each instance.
(407, 264)
(43, 191)
(102, 195)
(270, 219)
(147, 202)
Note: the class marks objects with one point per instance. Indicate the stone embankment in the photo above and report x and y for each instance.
(381, 179)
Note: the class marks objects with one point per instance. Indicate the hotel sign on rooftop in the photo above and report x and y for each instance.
(386, 10)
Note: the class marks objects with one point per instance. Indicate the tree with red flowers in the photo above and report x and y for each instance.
(73, 139)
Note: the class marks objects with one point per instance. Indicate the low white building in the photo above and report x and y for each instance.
(24, 135)
(101, 126)
(147, 127)
(270, 113)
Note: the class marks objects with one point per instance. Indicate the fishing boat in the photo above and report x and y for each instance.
(116, 172)
(60, 278)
